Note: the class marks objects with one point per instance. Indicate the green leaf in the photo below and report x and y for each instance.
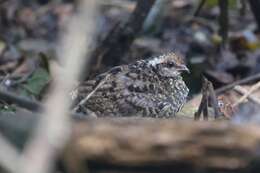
(35, 84)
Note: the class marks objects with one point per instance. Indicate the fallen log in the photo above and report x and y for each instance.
(139, 145)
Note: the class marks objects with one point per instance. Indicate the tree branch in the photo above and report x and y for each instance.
(20, 101)
(118, 41)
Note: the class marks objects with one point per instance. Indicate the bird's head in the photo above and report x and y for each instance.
(168, 65)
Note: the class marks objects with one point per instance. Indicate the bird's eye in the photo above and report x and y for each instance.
(170, 64)
(220, 104)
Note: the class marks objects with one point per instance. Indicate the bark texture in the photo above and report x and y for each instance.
(138, 145)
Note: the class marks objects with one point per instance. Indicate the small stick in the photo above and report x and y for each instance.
(208, 97)
(243, 91)
(205, 110)
(83, 101)
(201, 107)
(239, 82)
(213, 100)
(251, 90)
(204, 102)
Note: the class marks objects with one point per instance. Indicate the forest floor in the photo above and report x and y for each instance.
(29, 31)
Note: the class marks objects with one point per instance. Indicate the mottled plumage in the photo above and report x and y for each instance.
(148, 88)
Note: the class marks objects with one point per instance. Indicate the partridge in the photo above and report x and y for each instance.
(147, 88)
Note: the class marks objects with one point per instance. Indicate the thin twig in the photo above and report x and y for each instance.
(213, 100)
(206, 110)
(208, 98)
(203, 107)
(83, 101)
(248, 93)
(239, 82)
(243, 91)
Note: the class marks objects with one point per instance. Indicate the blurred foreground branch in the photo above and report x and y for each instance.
(54, 126)
(8, 155)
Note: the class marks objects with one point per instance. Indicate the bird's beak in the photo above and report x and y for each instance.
(183, 68)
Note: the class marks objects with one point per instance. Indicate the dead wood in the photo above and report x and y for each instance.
(118, 41)
(239, 82)
(140, 145)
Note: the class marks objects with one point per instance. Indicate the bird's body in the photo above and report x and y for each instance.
(146, 88)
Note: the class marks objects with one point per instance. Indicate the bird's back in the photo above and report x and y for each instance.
(138, 89)
(133, 91)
